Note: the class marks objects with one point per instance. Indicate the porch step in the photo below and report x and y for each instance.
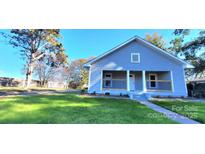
(139, 97)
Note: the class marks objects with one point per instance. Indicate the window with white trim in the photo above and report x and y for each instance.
(135, 58)
(108, 75)
(108, 80)
(153, 79)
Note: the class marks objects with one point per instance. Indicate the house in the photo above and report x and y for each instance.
(13, 82)
(196, 87)
(10, 82)
(137, 67)
(56, 84)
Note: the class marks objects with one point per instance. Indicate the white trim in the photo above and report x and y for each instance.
(108, 52)
(185, 83)
(101, 83)
(156, 76)
(186, 65)
(89, 78)
(135, 53)
(132, 74)
(172, 81)
(164, 52)
(144, 86)
(104, 80)
(107, 79)
(108, 74)
(128, 80)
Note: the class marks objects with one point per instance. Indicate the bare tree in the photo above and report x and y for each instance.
(77, 74)
(34, 44)
(50, 68)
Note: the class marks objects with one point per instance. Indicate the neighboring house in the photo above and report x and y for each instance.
(137, 67)
(56, 84)
(10, 82)
(13, 82)
(196, 87)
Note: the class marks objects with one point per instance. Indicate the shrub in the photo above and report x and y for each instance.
(83, 91)
(73, 85)
(169, 96)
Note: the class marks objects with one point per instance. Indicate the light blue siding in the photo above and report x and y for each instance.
(150, 60)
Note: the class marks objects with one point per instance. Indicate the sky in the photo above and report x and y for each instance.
(82, 43)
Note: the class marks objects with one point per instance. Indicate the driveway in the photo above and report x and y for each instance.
(34, 92)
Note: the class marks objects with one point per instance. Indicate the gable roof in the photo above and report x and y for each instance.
(137, 38)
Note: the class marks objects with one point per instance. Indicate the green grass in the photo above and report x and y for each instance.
(21, 89)
(193, 110)
(75, 109)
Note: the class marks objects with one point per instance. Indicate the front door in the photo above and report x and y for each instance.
(132, 82)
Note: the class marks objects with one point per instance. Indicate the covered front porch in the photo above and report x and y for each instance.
(137, 81)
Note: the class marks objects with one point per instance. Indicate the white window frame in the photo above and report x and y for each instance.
(109, 79)
(134, 53)
(108, 74)
(132, 75)
(156, 85)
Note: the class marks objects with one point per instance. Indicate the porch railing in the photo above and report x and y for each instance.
(115, 84)
(151, 85)
(159, 85)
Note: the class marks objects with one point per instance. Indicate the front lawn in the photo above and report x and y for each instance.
(193, 110)
(76, 109)
(21, 89)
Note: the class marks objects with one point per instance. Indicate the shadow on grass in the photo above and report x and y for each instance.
(74, 109)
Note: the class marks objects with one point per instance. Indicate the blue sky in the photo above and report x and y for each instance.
(78, 44)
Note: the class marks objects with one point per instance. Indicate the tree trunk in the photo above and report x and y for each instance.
(43, 83)
(29, 74)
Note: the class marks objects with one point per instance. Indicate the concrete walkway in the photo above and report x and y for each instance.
(194, 100)
(171, 115)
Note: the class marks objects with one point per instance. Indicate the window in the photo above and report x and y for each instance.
(108, 75)
(153, 78)
(108, 80)
(135, 58)
(107, 83)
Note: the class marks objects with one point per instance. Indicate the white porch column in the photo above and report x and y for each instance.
(89, 78)
(172, 82)
(128, 80)
(101, 83)
(144, 87)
